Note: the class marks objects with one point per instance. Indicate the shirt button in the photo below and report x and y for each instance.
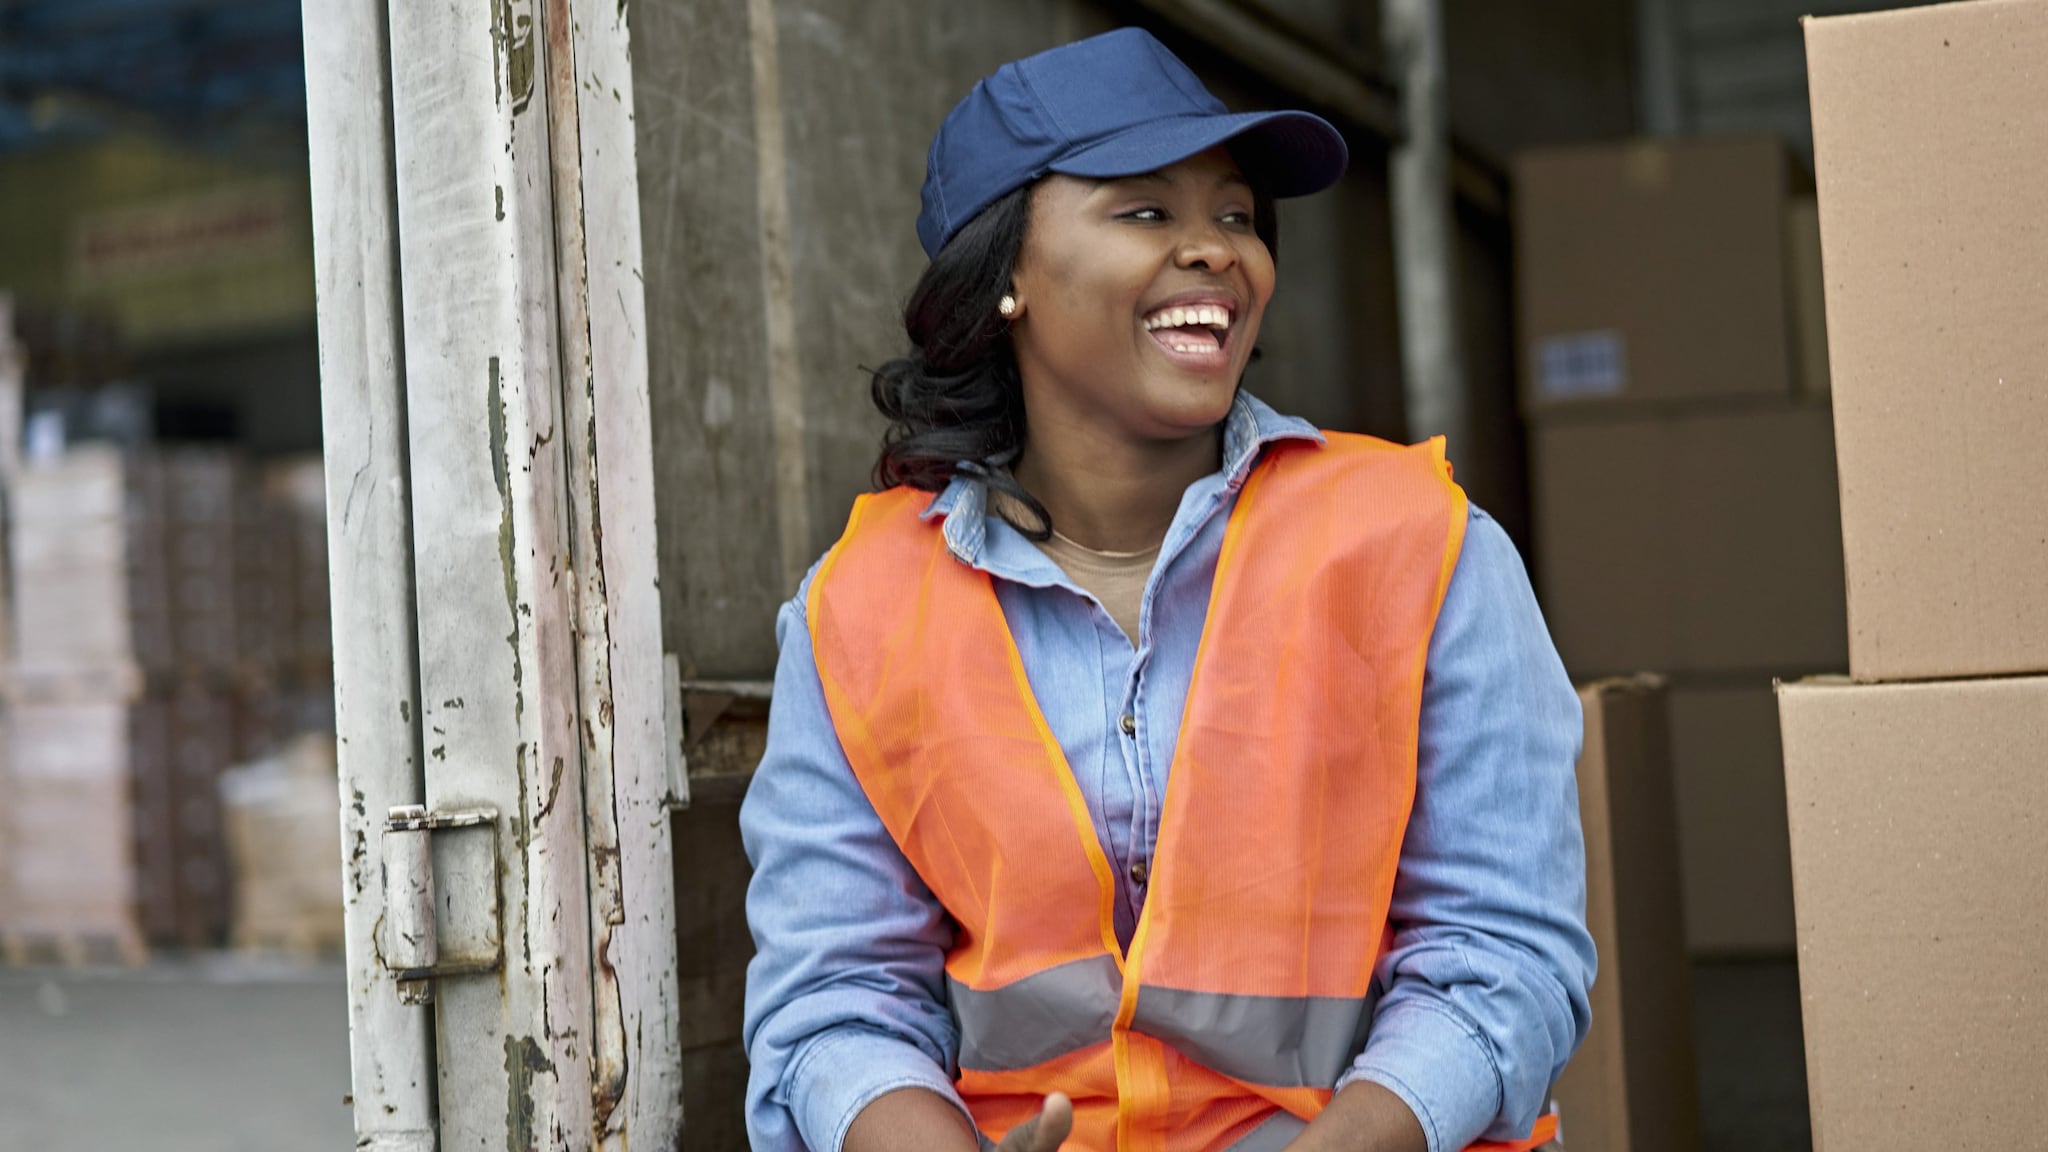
(1140, 872)
(1129, 724)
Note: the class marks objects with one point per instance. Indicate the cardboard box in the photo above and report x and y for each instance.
(1917, 817)
(1734, 846)
(1631, 1086)
(1927, 124)
(89, 545)
(85, 541)
(1703, 543)
(1655, 271)
(199, 500)
(69, 867)
(283, 819)
(113, 816)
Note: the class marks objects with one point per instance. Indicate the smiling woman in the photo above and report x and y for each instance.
(1147, 769)
(958, 396)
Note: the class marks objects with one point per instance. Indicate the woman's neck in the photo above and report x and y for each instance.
(1109, 494)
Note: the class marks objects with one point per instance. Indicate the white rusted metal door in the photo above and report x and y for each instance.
(505, 744)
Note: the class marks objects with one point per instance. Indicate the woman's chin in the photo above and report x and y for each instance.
(1188, 405)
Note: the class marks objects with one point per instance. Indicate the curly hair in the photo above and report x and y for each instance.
(955, 402)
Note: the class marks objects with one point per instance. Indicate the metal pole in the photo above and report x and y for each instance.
(1660, 100)
(1316, 73)
(369, 527)
(1425, 229)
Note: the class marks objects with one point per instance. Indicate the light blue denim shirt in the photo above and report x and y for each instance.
(1485, 985)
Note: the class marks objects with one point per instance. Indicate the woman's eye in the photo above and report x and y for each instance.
(1238, 219)
(1148, 215)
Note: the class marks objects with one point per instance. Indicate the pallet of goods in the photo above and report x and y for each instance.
(283, 821)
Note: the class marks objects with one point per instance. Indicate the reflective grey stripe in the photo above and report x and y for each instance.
(1276, 1133)
(1278, 1041)
(1022, 1025)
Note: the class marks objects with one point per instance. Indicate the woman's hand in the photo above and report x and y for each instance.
(1043, 1132)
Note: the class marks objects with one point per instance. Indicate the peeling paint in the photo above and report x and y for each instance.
(609, 1091)
(405, 711)
(501, 471)
(524, 1060)
(554, 791)
(500, 190)
(512, 47)
(520, 833)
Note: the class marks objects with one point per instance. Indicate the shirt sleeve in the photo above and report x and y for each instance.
(1487, 980)
(846, 992)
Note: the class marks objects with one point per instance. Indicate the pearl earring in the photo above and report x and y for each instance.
(1007, 307)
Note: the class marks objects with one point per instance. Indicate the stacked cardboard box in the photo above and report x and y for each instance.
(163, 608)
(199, 497)
(1917, 788)
(68, 879)
(89, 858)
(1686, 515)
(296, 488)
(85, 545)
(1631, 1086)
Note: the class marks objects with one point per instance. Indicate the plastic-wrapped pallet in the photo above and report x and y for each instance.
(70, 869)
(283, 816)
(86, 544)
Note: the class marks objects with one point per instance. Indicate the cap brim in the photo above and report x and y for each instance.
(1284, 153)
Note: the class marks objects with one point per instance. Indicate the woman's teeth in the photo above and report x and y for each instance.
(1205, 316)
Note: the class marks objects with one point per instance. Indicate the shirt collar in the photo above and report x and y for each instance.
(1251, 425)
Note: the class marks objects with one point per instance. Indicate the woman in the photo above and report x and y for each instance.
(1148, 770)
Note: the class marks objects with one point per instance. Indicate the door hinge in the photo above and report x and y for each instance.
(436, 929)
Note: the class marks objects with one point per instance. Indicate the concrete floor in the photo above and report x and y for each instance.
(216, 1054)
(210, 1054)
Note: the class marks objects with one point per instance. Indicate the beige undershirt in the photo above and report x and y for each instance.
(1117, 579)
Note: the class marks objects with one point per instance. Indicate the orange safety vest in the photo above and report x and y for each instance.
(1247, 990)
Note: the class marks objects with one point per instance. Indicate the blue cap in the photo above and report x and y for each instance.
(1118, 104)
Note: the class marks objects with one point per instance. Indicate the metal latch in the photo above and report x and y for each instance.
(463, 936)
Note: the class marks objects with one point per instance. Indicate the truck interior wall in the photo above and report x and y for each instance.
(1529, 75)
(860, 88)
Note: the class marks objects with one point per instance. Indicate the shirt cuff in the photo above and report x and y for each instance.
(1439, 1066)
(843, 1071)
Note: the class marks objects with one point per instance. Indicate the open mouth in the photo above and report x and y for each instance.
(1196, 331)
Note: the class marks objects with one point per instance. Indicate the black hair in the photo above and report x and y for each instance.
(955, 401)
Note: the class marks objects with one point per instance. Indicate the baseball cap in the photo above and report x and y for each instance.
(1118, 104)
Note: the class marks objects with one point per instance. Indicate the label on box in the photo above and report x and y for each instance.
(1580, 365)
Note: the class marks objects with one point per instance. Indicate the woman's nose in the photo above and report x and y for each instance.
(1207, 246)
